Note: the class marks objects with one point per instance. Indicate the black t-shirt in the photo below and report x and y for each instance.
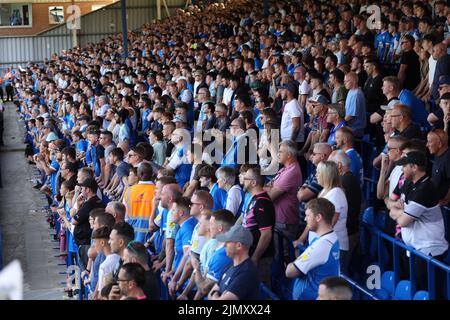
(72, 182)
(362, 78)
(441, 174)
(260, 215)
(412, 76)
(151, 288)
(411, 132)
(373, 93)
(352, 190)
(242, 280)
(82, 231)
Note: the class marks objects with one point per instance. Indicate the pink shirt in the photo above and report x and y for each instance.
(288, 179)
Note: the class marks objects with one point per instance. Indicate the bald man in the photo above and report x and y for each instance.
(442, 66)
(355, 105)
(169, 194)
(311, 188)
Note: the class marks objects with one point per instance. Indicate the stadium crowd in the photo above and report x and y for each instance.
(226, 137)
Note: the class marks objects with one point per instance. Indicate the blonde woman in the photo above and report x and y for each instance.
(328, 178)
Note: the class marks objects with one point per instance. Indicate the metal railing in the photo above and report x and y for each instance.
(397, 246)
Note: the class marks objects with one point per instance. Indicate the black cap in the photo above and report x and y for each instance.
(89, 183)
(413, 157)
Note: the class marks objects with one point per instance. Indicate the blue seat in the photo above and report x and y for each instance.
(403, 290)
(388, 282)
(421, 295)
(369, 216)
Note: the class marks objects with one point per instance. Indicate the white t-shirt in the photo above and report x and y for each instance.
(227, 94)
(431, 69)
(305, 88)
(394, 177)
(107, 267)
(292, 109)
(337, 197)
(197, 242)
(234, 198)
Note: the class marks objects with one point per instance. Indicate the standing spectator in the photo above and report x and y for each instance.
(138, 201)
(409, 72)
(402, 123)
(372, 87)
(85, 202)
(335, 116)
(178, 161)
(131, 281)
(136, 252)
(321, 258)
(353, 194)
(344, 142)
(186, 223)
(259, 218)
(292, 121)
(226, 180)
(282, 189)
(355, 105)
(419, 215)
(221, 221)
(437, 143)
(111, 262)
(241, 281)
(328, 178)
(117, 210)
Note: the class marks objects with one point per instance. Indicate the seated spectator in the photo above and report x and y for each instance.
(334, 288)
(321, 258)
(241, 281)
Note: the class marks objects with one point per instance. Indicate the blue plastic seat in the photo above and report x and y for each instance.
(421, 295)
(403, 290)
(388, 282)
(369, 216)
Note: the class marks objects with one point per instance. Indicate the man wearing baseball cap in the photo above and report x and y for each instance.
(241, 281)
(415, 207)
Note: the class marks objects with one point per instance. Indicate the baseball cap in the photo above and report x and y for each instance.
(390, 105)
(237, 233)
(256, 85)
(89, 183)
(413, 157)
(291, 87)
(444, 80)
(319, 99)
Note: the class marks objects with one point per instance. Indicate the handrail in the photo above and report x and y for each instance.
(431, 262)
(357, 286)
